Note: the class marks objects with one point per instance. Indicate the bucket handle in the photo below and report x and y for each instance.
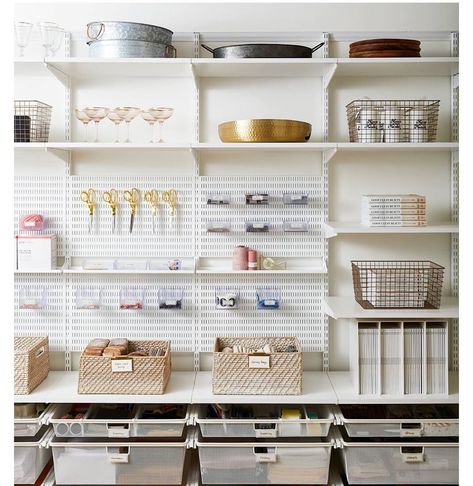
(100, 33)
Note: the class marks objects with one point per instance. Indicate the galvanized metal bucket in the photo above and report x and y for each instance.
(114, 30)
(129, 48)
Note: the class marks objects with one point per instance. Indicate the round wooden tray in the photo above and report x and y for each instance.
(409, 43)
(387, 53)
(384, 47)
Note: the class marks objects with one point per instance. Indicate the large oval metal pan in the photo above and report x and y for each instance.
(242, 51)
(115, 30)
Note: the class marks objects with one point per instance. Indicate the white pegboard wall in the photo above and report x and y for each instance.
(276, 242)
(42, 195)
(301, 312)
(110, 321)
(176, 241)
(49, 321)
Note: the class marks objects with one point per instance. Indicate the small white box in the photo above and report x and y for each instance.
(35, 253)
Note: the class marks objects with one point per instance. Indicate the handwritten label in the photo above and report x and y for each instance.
(258, 362)
(115, 458)
(115, 431)
(269, 457)
(410, 458)
(122, 365)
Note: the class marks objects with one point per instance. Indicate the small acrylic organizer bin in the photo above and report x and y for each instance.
(131, 298)
(257, 199)
(256, 373)
(32, 222)
(218, 226)
(171, 298)
(295, 198)
(264, 421)
(257, 226)
(218, 199)
(268, 298)
(227, 298)
(32, 120)
(296, 226)
(33, 298)
(393, 121)
(88, 298)
(131, 265)
(31, 418)
(119, 420)
(397, 284)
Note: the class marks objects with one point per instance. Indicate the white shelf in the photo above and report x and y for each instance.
(83, 146)
(80, 270)
(24, 272)
(333, 228)
(345, 391)
(261, 147)
(61, 387)
(397, 147)
(348, 308)
(316, 67)
(316, 388)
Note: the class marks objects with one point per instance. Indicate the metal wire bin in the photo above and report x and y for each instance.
(32, 120)
(393, 121)
(397, 284)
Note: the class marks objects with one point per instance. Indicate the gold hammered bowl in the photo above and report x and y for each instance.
(264, 130)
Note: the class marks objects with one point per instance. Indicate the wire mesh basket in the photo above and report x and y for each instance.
(397, 284)
(393, 121)
(32, 120)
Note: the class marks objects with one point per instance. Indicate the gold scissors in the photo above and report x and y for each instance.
(88, 197)
(111, 198)
(170, 198)
(133, 198)
(152, 197)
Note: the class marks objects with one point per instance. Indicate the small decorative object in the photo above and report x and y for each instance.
(227, 298)
(170, 298)
(268, 298)
(31, 363)
(218, 199)
(240, 258)
(32, 222)
(131, 298)
(257, 226)
(33, 297)
(174, 264)
(269, 263)
(257, 198)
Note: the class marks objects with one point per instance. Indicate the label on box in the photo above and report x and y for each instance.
(269, 302)
(265, 457)
(262, 433)
(296, 225)
(258, 362)
(122, 365)
(118, 432)
(410, 430)
(116, 457)
(29, 223)
(172, 303)
(258, 225)
(296, 197)
(257, 198)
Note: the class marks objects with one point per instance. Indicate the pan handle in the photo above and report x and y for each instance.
(317, 47)
(207, 48)
(100, 32)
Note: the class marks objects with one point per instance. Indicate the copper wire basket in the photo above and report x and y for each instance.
(397, 284)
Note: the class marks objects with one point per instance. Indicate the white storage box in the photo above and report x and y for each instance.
(404, 420)
(30, 425)
(397, 462)
(315, 421)
(265, 462)
(132, 423)
(31, 458)
(78, 462)
(36, 252)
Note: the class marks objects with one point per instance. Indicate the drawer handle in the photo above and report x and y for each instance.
(412, 454)
(411, 430)
(118, 430)
(265, 454)
(265, 430)
(120, 457)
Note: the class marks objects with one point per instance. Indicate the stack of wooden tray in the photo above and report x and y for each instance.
(385, 48)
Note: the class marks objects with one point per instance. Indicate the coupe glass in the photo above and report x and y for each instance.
(161, 114)
(128, 113)
(49, 34)
(116, 118)
(97, 114)
(22, 35)
(151, 119)
(82, 116)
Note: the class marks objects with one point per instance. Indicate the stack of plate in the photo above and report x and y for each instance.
(385, 48)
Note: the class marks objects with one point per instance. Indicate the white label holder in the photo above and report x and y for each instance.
(120, 365)
(259, 362)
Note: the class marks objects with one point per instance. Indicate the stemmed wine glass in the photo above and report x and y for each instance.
(151, 119)
(82, 116)
(116, 117)
(97, 114)
(161, 114)
(57, 39)
(128, 113)
(22, 34)
(49, 33)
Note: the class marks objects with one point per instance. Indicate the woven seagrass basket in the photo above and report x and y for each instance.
(278, 373)
(31, 363)
(147, 375)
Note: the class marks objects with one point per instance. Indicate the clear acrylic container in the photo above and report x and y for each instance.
(132, 298)
(88, 298)
(170, 298)
(296, 227)
(131, 265)
(227, 298)
(33, 298)
(257, 198)
(218, 226)
(30, 460)
(32, 222)
(268, 298)
(175, 264)
(300, 198)
(257, 226)
(97, 264)
(218, 199)
(29, 418)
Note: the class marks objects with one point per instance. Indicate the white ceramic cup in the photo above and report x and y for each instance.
(418, 126)
(368, 126)
(393, 123)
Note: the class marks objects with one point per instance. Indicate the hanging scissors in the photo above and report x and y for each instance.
(88, 197)
(111, 198)
(170, 198)
(133, 198)
(152, 197)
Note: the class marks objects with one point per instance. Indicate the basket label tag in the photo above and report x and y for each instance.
(115, 458)
(258, 362)
(122, 365)
(416, 457)
(265, 457)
